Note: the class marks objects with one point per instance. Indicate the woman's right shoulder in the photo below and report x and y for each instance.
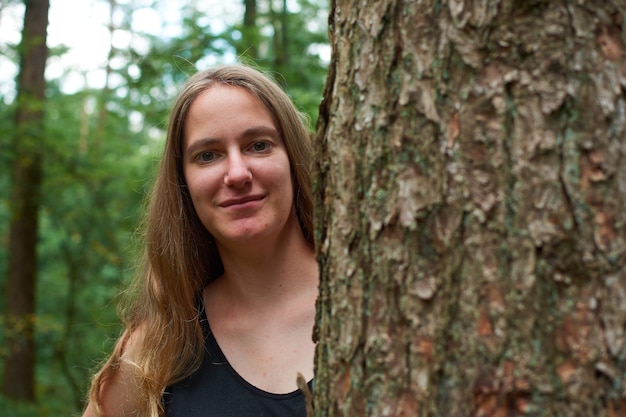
(117, 379)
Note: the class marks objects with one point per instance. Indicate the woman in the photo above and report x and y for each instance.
(223, 311)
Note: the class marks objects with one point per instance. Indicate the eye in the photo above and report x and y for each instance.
(260, 146)
(206, 157)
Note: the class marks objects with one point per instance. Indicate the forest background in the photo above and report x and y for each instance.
(104, 127)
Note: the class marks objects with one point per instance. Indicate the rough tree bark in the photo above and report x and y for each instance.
(19, 364)
(471, 209)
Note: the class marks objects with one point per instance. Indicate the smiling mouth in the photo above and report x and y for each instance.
(241, 201)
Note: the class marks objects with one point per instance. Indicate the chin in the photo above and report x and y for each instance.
(252, 230)
(243, 235)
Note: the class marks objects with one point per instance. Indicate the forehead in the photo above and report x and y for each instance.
(225, 104)
(226, 113)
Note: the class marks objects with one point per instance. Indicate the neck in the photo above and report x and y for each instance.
(269, 272)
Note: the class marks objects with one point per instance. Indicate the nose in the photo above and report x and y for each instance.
(237, 173)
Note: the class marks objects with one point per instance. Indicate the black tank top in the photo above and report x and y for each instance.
(217, 390)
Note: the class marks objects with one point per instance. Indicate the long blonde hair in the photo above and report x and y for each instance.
(180, 255)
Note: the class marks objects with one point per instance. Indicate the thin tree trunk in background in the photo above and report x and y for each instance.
(19, 368)
(250, 31)
(471, 210)
(283, 53)
(100, 131)
(280, 38)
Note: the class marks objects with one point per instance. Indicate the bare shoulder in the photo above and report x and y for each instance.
(115, 394)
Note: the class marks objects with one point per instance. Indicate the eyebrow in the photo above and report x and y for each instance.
(260, 130)
(248, 133)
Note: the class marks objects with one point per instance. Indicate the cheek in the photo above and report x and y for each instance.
(192, 187)
(282, 180)
(201, 186)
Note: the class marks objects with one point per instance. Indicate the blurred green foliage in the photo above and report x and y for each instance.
(100, 154)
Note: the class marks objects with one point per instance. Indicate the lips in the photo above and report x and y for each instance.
(241, 200)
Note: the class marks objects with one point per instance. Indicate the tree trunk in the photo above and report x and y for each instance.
(18, 378)
(100, 131)
(471, 209)
(250, 33)
(281, 39)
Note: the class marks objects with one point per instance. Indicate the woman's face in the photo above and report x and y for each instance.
(236, 167)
